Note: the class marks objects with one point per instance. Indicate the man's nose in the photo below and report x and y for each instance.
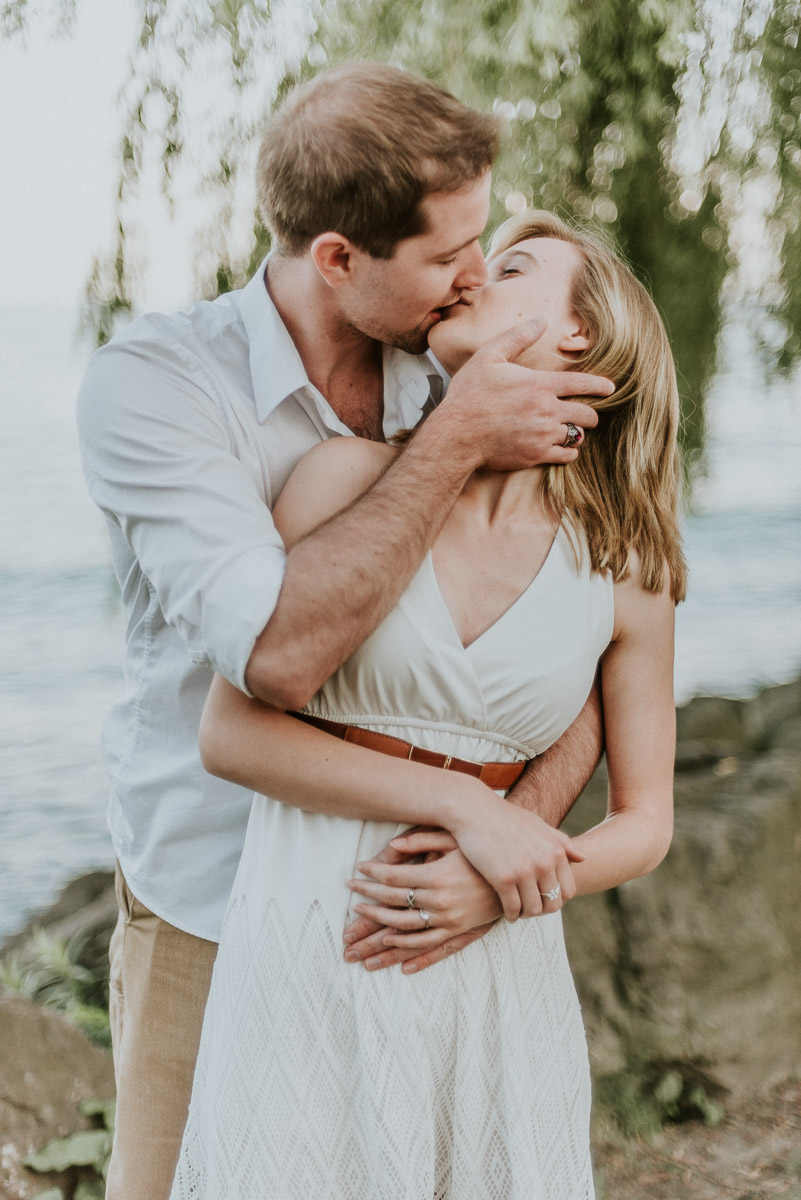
(472, 269)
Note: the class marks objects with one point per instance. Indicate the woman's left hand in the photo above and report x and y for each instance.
(453, 893)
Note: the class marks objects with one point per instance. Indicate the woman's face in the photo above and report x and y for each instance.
(531, 279)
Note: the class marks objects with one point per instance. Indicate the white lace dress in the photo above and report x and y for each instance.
(318, 1080)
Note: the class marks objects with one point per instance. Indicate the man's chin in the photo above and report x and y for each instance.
(413, 342)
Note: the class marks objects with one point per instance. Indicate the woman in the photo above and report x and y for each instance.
(468, 1081)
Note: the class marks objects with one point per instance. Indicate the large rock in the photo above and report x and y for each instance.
(47, 1066)
(700, 960)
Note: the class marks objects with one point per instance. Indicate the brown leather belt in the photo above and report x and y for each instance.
(496, 775)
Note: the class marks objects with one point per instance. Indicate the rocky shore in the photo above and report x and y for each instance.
(701, 960)
(689, 978)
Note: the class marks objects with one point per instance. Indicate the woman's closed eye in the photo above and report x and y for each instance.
(500, 272)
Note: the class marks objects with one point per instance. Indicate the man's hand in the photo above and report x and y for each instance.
(514, 416)
(549, 786)
(371, 943)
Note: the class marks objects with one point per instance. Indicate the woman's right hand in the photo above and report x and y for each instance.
(518, 854)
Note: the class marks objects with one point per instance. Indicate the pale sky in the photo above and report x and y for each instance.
(58, 139)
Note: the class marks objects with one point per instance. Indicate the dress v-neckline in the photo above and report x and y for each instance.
(501, 616)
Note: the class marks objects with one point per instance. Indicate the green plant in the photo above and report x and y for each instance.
(644, 1096)
(50, 972)
(87, 1148)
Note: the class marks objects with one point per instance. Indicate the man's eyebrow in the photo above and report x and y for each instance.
(450, 253)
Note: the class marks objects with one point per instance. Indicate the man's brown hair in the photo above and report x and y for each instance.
(357, 148)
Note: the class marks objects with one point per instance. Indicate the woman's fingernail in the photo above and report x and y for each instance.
(348, 938)
(372, 963)
(409, 968)
(351, 956)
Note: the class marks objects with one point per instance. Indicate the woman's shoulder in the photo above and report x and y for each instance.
(355, 456)
(638, 608)
(327, 479)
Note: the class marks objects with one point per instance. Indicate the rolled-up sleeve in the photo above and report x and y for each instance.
(161, 459)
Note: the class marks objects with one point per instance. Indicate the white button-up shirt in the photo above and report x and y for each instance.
(190, 425)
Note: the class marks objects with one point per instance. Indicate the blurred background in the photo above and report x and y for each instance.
(126, 163)
(127, 148)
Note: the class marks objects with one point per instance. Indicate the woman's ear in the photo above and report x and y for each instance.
(576, 339)
(332, 255)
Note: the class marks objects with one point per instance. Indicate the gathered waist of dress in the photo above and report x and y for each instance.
(497, 775)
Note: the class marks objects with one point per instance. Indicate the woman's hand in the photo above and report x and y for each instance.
(456, 897)
(520, 856)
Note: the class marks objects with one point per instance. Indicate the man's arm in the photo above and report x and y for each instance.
(552, 782)
(158, 450)
(342, 579)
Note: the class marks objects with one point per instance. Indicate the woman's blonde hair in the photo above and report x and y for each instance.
(623, 489)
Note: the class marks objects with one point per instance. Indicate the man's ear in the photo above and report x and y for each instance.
(332, 255)
(575, 340)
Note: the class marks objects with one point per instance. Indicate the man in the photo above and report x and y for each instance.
(375, 186)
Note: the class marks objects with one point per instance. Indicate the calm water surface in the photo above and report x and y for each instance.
(62, 626)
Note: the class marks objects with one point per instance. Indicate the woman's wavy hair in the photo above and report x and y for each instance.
(623, 489)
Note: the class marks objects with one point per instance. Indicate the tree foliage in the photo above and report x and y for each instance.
(674, 124)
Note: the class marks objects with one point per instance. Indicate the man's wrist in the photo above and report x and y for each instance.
(448, 440)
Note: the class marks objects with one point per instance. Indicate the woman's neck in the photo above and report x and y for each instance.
(503, 496)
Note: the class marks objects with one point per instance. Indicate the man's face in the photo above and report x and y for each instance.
(398, 300)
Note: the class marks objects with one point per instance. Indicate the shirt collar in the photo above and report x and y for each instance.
(275, 365)
(412, 383)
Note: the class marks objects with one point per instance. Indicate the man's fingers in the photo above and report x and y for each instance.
(562, 454)
(576, 383)
(576, 413)
(413, 961)
(388, 957)
(390, 855)
(367, 946)
(421, 939)
(508, 346)
(358, 929)
(421, 961)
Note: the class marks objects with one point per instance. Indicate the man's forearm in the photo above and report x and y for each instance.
(552, 782)
(342, 579)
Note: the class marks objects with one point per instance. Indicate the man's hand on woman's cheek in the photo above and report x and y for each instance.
(458, 902)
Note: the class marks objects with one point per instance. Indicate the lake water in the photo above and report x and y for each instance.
(62, 626)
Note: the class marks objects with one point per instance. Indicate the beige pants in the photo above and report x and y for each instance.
(159, 982)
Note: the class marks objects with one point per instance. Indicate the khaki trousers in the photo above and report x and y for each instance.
(159, 982)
